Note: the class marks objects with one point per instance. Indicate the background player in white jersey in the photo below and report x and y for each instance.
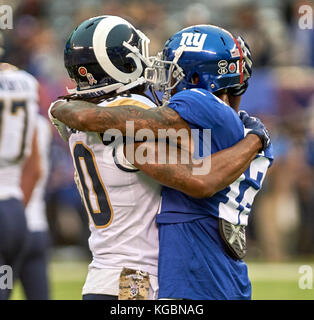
(94, 76)
(19, 161)
(33, 271)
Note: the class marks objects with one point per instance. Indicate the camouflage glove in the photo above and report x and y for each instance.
(63, 130)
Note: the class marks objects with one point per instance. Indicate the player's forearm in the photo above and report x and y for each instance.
(81, 115)
(176, 176)
(28, 183)
(226, 166)
(85, 116)
(31, 172)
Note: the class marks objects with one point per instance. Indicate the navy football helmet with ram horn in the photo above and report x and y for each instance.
(106, 54)
(201, 56)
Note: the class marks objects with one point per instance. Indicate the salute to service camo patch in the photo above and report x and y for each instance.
(133, 285)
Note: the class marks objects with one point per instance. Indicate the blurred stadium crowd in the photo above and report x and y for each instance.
(281, 92)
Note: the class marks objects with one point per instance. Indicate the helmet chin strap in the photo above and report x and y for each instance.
(100, 90)
(131, 85)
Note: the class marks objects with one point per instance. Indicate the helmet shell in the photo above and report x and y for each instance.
(211, 55)
(95, 56)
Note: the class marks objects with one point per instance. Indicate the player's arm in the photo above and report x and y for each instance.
(85, 116)
(31, 170)
(225, 167)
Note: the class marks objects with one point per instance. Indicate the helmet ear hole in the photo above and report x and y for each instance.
(195, 78)
(129, 67)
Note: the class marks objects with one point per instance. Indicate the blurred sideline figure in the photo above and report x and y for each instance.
(33, 273)
(18, 156)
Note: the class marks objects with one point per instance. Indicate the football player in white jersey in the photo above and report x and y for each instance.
(19, 161)
(121, 201)
(113, 48)
(33, 271)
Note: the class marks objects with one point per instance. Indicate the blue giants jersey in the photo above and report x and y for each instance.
(203, 110)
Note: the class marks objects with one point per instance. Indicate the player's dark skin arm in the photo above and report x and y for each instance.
(86, 116)
(226, 166)
(31, 171)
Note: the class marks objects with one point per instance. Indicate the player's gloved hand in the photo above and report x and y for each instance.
(247, 69)
(255, 126)
(63, 130)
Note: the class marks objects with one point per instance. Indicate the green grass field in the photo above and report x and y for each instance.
(270, 281)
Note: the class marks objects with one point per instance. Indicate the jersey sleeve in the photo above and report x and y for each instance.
(268, 153)
(199, 108)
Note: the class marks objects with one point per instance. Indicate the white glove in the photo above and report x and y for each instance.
(63, 130)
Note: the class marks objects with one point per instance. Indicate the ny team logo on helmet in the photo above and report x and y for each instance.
(105, 54)
(202, 56)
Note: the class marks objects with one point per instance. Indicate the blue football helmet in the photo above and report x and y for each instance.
(201, 56)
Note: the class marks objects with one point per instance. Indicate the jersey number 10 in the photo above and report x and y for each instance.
(96, 198)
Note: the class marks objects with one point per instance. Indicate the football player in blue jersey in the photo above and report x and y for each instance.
(205, 70)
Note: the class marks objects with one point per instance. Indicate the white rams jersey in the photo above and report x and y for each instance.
(122, 204)
(18, 111)
(36, 209)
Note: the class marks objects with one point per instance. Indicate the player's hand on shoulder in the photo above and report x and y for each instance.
(247, 69)
(63, 130)
(255, 126)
